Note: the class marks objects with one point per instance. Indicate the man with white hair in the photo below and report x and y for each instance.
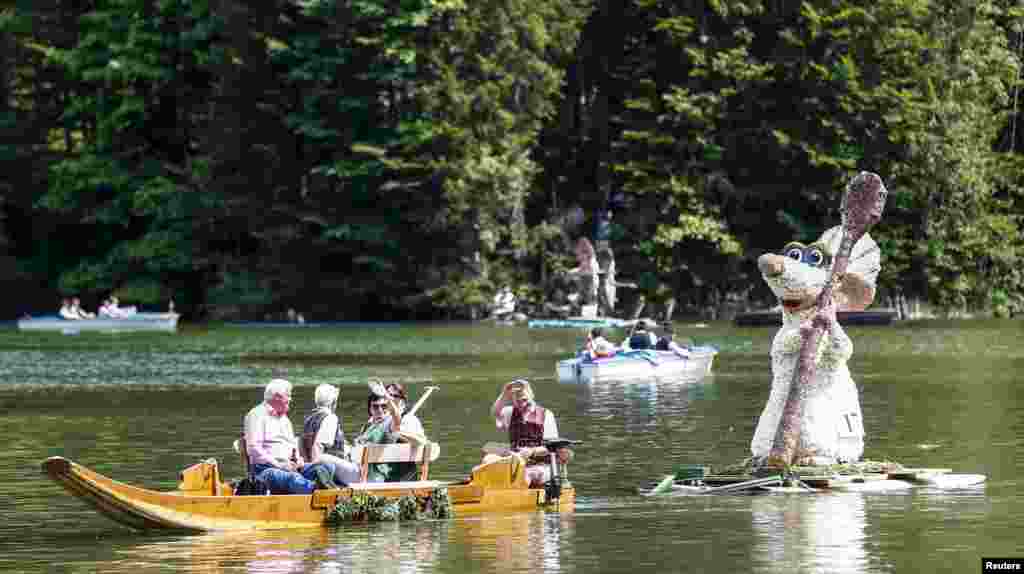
(273, 450)
(323, 439)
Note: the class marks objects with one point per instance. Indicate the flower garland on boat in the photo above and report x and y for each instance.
(363, 507)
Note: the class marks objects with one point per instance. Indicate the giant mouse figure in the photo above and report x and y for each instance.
(830, 425)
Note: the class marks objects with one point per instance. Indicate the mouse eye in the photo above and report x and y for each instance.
(794, 253)
(814, 257)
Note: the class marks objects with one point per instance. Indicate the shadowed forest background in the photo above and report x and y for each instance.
(378, 160)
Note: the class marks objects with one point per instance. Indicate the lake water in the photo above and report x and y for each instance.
(141, 407)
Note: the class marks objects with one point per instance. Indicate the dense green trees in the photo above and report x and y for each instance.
(374, 159)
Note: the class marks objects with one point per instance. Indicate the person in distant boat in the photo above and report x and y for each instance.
(66, 311)
(597, 346)
(667, 343)
(76, 308)
(528, 425)
(641, 338)
(388, 425)
(115, 305)
(273, 449)
(323, 439)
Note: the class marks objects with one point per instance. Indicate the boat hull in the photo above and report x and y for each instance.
(657, 365)
(140, 322)
(218, 510)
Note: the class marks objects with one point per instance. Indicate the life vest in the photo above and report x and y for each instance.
(662, 344)
(310, 428)
(528, 430)
(640, 340)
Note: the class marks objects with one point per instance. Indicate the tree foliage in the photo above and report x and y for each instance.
(363, 158)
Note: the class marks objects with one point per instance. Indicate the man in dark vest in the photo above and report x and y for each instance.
(528, 425)
(323, 439)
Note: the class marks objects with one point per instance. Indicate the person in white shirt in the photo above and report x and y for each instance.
(273, 450)
(66, 312)
(597, 346)
(76, 308)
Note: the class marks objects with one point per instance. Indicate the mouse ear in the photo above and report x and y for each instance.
(857, 290)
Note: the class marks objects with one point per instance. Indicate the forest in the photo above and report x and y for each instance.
(406, 159)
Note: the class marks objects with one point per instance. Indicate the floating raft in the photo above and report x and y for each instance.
(773, 317)
(867, 476)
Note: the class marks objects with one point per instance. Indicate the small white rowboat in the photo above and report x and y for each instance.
(138, 322)
(635, 365)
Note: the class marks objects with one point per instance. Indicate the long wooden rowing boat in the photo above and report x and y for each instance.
(639, 365)
(203, 502)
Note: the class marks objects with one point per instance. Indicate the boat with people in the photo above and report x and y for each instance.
(204, 501)
(138, 322)
(692, 363)
(579, 323)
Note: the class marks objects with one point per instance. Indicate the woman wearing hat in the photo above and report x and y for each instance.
(528, 425)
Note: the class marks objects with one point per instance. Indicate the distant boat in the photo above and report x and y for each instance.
(773, 317)
(579, 323)
(637, 365)
(138, 322)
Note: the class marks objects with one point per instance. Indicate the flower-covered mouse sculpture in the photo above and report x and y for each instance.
(813, 414)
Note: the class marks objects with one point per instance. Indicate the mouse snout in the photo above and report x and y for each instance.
(771, 264)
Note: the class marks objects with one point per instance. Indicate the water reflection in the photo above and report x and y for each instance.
(810, 532)
(523, 542)
(391, 547)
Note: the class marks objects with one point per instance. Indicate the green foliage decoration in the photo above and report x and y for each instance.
(364, 507)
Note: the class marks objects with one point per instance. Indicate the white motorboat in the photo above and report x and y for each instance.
(694, 363)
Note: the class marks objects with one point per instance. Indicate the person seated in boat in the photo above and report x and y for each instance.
(388, 425)
(641, 338)
(528, 424)
(667, 343)
(115, 305)
(273, 449)
(597, 346)
(66, 312)
(323, 439)
(78, 311)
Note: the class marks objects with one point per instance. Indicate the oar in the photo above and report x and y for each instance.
(861, 208)
(423, 398)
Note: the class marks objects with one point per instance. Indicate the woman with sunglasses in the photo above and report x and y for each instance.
(387, 424)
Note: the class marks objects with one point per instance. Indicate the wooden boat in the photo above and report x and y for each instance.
(634, 365)
(773, 317)
(139, 322)
(204, 502)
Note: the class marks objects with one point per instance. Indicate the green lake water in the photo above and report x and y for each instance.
(141, 407)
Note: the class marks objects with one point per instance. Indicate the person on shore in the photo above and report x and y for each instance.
(597, 346)
(388, 425)
(528, 425)
(66, 312)
(323, 439)
(641, 338)
(273, 450)
(667, 343)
